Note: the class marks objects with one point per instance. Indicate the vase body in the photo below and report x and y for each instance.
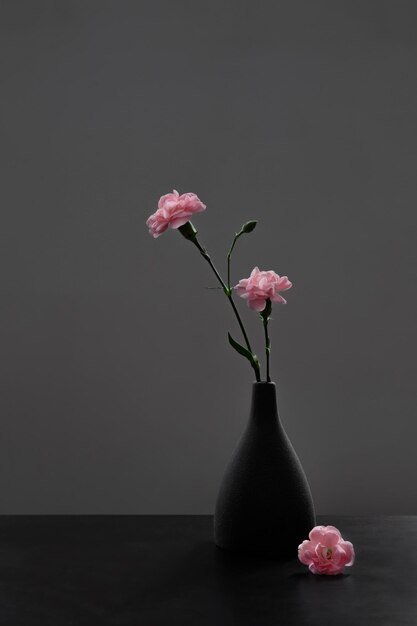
(264, 506)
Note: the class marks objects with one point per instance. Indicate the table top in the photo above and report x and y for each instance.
(165, 570)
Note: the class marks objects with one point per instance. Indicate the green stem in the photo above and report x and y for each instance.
(267, 349)
(229, 256)
(228, 292)
(265, 319)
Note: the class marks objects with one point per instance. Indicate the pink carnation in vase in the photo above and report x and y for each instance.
(173, 211)
(261, 286)
(326, 552)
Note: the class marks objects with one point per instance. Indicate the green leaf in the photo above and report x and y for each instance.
(248, 227)
(243, 351)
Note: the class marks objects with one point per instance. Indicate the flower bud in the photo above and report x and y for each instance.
(248, 227)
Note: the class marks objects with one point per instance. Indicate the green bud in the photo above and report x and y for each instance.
(248, 227)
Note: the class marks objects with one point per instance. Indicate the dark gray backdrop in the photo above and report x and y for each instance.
(119, 393)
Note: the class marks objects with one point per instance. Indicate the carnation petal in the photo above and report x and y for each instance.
(349, 552)
(168, 197)
(331, 537)
(336, 530)
(317, 533)
(178, 221)
(314, 569)
(257, 305)
(284, 283)
(192, 202)
(306, 552)
(334, 570)
(241, 286)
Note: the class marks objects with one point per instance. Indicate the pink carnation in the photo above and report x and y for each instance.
(260, 286)
(173, 211)
(326, 552)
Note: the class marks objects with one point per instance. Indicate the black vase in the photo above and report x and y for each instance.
(264, 506)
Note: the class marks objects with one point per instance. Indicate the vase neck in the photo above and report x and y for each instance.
(264, 402)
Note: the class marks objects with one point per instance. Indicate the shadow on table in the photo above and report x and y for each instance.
(211, 584)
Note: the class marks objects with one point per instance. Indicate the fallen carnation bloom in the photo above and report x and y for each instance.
(326, 552)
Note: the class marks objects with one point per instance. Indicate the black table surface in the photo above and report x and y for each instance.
(165, 570)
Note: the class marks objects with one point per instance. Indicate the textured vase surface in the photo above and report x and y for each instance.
(264, 506)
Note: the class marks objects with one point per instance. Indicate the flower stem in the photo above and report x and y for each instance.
(265, 319)
(229, 256)
(267, 350)
(227, 290)
(247, 227)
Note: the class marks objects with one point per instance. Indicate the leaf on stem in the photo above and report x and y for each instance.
(243, 351)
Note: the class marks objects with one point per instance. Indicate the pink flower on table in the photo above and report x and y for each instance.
(173, 211)
(260, 286)
(326, 552)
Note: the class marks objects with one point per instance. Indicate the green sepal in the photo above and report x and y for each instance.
(188, 231)
(265, 314)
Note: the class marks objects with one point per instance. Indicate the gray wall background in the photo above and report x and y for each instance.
(119, 392)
